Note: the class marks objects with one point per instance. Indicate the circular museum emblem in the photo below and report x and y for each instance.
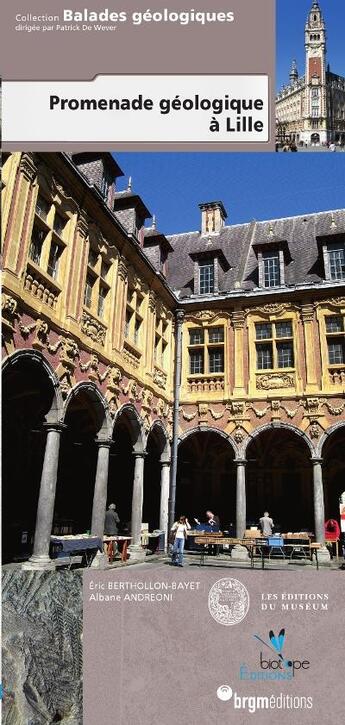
(228, 601)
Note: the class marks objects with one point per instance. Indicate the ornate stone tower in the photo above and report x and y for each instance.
(315, 100)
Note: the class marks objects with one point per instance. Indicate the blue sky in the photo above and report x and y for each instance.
(291, 18)
(250, 185)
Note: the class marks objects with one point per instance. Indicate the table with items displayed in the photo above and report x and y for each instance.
(290, 545)
(77, 549)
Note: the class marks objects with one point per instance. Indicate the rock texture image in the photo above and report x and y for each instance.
(42, 648)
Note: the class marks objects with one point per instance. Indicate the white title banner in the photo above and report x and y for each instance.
(134, 108)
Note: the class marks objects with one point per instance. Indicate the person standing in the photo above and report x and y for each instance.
(213, 520)
(181, 527)
(266, 524)
(111, 522)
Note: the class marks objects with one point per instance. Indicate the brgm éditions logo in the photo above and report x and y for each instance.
(228, 601)
(277, 667)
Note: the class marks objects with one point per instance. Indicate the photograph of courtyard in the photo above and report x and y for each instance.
(150, 375)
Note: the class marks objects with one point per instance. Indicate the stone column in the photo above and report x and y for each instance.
(45, 510)
(240, 552)
(135, 548)
(101, 488)
(164, 507)
(319, 510)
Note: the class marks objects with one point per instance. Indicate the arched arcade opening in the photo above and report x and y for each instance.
(127, 439)
(157, 451)
(84, 420)
(28, 401)
(279, 479)
(333, 454)
(206, 477)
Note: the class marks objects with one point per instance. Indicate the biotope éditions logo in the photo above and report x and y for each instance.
(228, 601)
(277, 667)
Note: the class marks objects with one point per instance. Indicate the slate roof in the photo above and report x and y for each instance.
(301, 234)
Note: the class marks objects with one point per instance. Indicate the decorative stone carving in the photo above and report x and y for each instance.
(334, 410)
(259, 412)
(161, 408)
(307, 312)
(160, 378)
(334, 302)
(122, 268)
(130, 357)
(113, 406)
(272, 381)
(146, 407)
(216, 415)
(65, 369)
(273, 308)
(39, 287)
(205, 384)
(314, 430)
(93, 329)
(69, 351)
(82, 225)
(204, 315)
(27, 167)
(188, 416)
(337, 377)
(203, 413)
(59, 191)
(237, 408)
(9, 311)
(93, 367)
(132, 390)
(291, 413)
(147, 397)
(239, 435)
(115, 377)
(238, 319)
(152, 300)
(41, 328)
(313, 405)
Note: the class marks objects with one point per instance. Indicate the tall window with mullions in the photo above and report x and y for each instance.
(206, 277)
(337, 262)
(271, 269)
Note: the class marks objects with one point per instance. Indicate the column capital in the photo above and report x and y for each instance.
(316, 459)
(104, 443)
(139, 454)
(240, 461)
(165, 463)
(180, 316)
(58, 427)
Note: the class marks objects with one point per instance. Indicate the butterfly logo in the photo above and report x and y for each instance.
(276, 645)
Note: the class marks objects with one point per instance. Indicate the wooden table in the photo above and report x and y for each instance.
(109, 541)
(336, 542)
(260, 543)
(207, 540)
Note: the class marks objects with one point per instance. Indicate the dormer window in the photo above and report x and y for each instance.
(271, 268)
(206, 276)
